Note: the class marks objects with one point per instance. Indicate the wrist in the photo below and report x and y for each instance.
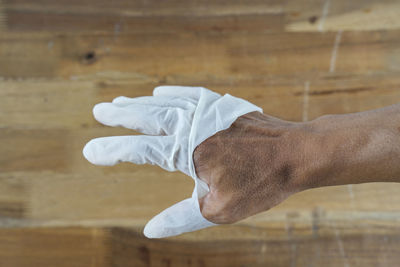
(349, 149)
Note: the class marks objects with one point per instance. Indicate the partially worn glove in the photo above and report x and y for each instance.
(177, 119)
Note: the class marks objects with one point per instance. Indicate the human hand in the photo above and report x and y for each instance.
(242, 161)
(177, 119)
(250, 167)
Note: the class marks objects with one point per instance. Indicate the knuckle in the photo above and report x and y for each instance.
(218, 212)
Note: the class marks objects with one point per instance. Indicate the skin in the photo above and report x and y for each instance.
(261, 160)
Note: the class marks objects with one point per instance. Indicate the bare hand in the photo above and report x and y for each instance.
(249, 167)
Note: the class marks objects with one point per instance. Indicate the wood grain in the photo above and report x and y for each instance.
(52, 247)
(255, 15)
(125, 247)
(296, 59)
(331, 15)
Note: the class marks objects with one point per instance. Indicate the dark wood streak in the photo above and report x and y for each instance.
(337, 91)
(12, 210)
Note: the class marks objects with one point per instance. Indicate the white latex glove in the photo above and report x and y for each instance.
(177, 119)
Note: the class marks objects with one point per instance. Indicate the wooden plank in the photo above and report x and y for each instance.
(330, 250)
(185, 16)
(234, 56)
(152, 16)
(122, 247)
(54, 105)
(132, 196)
(150, 8)
(23, 20)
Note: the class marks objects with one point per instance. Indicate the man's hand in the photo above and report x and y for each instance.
(242, 161)
(250, 167)
(175, 120)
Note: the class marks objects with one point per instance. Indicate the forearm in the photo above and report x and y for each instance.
(353, 148)
(261, 160)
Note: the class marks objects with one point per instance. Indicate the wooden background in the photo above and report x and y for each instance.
(298, 59)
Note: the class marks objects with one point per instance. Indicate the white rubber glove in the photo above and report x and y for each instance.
(177, 119)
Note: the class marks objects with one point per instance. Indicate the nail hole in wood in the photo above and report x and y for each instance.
(89, 57)
(313, 19)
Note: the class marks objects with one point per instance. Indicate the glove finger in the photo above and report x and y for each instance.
(143, 118)
(185, 216)
(138, 149)
(159, 101)
(182, 91)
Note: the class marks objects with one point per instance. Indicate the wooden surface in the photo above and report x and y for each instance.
(296, 59)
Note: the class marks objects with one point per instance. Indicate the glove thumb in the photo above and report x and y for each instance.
(184, 216)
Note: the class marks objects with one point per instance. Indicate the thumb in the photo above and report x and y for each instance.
(184, 216)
